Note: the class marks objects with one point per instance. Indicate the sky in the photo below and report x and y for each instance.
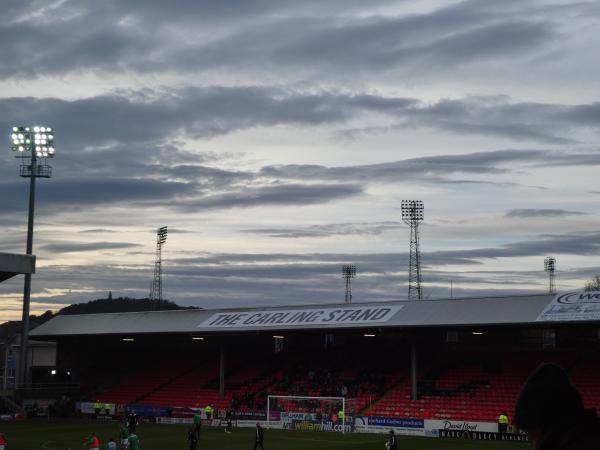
(277, 139)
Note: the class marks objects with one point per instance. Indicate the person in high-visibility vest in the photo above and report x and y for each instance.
(208, 410)
(93, 442)
(97, 407)
(341, 415)
(502, 423)
(107, 409)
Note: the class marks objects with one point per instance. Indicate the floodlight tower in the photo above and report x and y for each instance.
(156, 286)
(412, 215)
(550, 267)
(348, 272)
(34, 145)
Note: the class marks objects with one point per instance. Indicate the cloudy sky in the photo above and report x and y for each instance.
(277, 139)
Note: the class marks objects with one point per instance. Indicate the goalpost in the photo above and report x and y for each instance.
(322, 412)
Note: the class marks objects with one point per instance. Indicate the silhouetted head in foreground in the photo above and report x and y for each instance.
(550, 409)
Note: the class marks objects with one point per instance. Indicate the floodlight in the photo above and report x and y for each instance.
(412, 210)
(549, 264)
(33, 144)
(349, 271)
(156, 285)
(162, 235)
(412, 214)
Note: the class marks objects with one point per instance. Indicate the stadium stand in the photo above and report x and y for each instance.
(472, 356)
(480, 390)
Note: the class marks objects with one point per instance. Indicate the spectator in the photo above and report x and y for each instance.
(502, 423)
(549, 408)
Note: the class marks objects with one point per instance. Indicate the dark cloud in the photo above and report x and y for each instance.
(282, 195)
(99, 231)
(141, 130)
(70, 247)
(86, 192)
(531, 213)
(227, 279)
(319, 231)
(332, 35)
(581, 244)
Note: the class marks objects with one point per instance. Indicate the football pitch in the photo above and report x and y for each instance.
(71, 433)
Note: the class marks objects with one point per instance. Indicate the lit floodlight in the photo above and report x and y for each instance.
(33, 145)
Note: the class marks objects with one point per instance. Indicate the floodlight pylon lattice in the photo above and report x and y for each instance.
(550, 267)
(156, 288)
(348, 272)
(412, 215)
(34, 145)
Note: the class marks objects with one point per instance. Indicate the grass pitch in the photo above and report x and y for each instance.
(40, 434)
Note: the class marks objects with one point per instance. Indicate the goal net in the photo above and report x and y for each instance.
(308, 413)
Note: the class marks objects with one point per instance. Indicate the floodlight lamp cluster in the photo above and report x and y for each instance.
(36, 139)
(349, 271)
(162, 235)
(549, 264)
(412, 210)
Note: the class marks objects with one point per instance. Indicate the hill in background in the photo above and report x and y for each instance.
(102, 305)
